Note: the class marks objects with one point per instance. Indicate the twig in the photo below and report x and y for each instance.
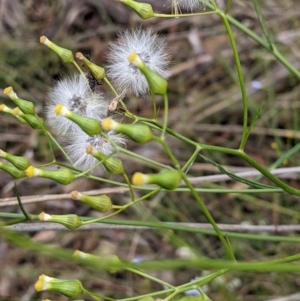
(36, 226)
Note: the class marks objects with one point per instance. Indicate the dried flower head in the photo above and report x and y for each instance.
(76, 95)
(152, 50)
(76, 148)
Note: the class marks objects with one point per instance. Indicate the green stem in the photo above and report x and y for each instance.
(166, 113)
(129, 186)
(240, 76)
(199, 201)
(191, 160)
(61, 149)
(154, 106)
(265, 45)
(163, 283)
(228, 4)
(267, 174)
(263, 25)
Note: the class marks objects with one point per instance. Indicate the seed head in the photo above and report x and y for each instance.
(75, 94)
(152, 50)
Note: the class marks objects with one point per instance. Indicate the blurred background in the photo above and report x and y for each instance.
(205, 106)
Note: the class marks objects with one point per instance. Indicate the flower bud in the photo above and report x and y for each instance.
(90, 126)
(13, 171)
(34, 121)
(65, 54)
(112, 165)
(70, 288)
(101, 203)
(18, 161)
(143, 10)
(63, 176)
(157, 84)
(110, 260)
(97, 71)
(70, 221)
(26, 106)
(8, 110)
(137, 132)
(168, 179)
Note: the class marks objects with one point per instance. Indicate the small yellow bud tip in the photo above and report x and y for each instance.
(44, 40)
(107, 124)
(29, 172)
(89, 149)
(43, 217)
(2, 107)
(138, 179)
(75, 195)
(58, 109)
(16, 111)
(8, 90)
(40, 283)
(80, 254)
(132, 56)
(79, 56)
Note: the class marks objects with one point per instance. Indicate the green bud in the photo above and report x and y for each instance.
(137, 132)
(26, 106)
(65, 54)
(18, 161)
(34, 121)
(6, 109)
(70, 288)
(97, 71)
(157, 84)
(101, 203)
(143, 10)
(90, 126)
(110, 260)
(113, 165)
(168, 179)
(63, 176)
(13, 171)
(70, 221)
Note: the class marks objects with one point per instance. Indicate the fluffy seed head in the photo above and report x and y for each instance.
(77, 148)
(75, 94)
(152, 50)
(189, 5)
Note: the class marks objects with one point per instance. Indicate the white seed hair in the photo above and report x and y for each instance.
(77, 144)
(152, 50)
(74, 93)
(190, 5)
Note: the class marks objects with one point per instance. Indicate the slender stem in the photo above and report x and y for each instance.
(263, 25)
(114, 91)
(154, 106)
(267, 174)
(141, 158)
(61, 149)
(149, 277)
(228, 4)
(191, 160)
(240, 77)
(199, 201)
(129, 186)
(166, 113)
(264, 44)
(78, 68)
